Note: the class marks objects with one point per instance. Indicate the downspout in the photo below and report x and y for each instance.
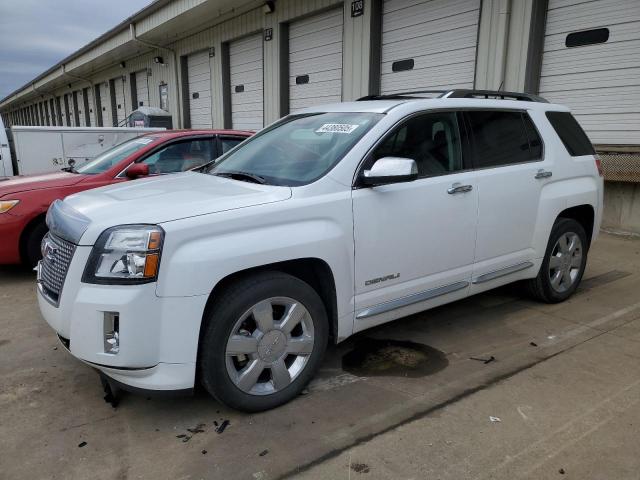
(132, 30)
(502, 43)
(90, 82)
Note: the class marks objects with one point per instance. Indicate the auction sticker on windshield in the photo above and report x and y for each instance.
(337, 128)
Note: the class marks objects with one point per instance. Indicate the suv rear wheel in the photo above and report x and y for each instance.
(564, 263)
(264, 341)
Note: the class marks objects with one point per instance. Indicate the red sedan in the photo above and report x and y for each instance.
(24, 200)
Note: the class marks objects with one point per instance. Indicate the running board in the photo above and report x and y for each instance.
(487, 277)
(410, 300)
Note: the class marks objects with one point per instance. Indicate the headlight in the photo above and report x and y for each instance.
(6, 205)
(128, 254)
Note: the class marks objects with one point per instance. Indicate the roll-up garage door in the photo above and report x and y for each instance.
(315, 60)
(591, 63)
(105, 103)
(245, 63)
(199, 78)
(428, 44)
(142, 89)
(121, 103)
(80, 99)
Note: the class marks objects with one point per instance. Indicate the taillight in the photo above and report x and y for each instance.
(599, 165)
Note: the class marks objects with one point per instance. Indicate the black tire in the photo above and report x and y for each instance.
(540, 288)
(221, 319)
(32, 242)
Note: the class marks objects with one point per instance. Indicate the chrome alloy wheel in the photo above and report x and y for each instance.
(269, 346)
(565, 262)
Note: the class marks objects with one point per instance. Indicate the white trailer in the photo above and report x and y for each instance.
(6, 167)
(49, 149)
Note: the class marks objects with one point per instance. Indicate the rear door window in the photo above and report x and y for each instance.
(181, 156)
(570, 132)
(501, 138)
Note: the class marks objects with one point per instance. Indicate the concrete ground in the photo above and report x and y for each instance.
(412, 399)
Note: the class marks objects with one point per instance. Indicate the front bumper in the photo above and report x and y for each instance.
(158, 335)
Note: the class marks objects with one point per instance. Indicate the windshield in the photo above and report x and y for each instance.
(115, 155)
(297, 151)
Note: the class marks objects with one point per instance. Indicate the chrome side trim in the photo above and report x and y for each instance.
(502, 272)
(410, 300)
(66, 222)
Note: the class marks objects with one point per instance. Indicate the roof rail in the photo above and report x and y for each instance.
(459, 93)
(495, 94)
(395, 96)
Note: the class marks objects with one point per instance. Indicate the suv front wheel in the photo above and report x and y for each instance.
(264, 340)
(563, 264)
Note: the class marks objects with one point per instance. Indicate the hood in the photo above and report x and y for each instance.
(170, 197)
(25, 183)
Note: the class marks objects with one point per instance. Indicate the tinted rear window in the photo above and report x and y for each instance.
(575, 140)
(500, 138)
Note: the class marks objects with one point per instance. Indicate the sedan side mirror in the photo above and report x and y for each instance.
(389, 170)
(137, 170)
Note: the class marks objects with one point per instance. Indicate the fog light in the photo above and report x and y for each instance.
(111, 332)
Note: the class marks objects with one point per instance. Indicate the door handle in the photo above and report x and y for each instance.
(543, 174)
(457, 188)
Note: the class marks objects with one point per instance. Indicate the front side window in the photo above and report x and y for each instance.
(298, 150)
(432, 140)
(181, 156)
(499, 138)
(227, 143)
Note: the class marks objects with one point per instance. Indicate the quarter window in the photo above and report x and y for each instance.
(432, 140)
(500, 138)
(227, 143)
(573, 137)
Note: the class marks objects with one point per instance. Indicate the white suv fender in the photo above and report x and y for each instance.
(200, 252)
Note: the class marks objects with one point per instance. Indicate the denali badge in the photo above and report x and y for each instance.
(382, 279)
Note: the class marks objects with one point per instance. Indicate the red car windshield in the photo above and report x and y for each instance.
(112, 157)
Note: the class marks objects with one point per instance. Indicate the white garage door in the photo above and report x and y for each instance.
(245, 63)
(315, 60)
(599, 79)
(81, 118)
(121, 103)
(88, 106)
(142, 89)
(199, 78)
(428, 44)
(105, 105)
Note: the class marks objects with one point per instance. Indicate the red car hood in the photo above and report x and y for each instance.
(38, 182)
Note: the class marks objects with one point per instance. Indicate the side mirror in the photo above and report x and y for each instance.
(137, 170)
(389, 170)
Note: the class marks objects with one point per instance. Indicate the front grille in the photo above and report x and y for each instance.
(56, 257)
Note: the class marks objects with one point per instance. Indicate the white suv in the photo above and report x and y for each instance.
(324, 224)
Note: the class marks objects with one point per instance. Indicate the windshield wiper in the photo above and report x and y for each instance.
(70, 169)
(242, 176)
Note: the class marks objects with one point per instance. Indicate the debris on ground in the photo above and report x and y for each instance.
(82, 444)
(204, 452)
(185, 438)
(484, 360)
(360, 467)
(222, 426)
(494, 419)
(561, 471)
(533, 344)
(263, 452)
(197, 429)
